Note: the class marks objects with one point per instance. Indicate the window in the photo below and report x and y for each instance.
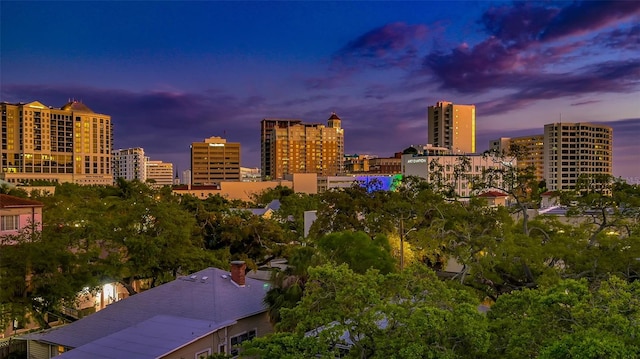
(203, 354)
(9, 223)
(238, 339)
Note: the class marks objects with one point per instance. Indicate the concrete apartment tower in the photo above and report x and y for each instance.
(67, 144)
(290, 146)
(452, 126)
(130, 164)
(574, 149)
(214, 160)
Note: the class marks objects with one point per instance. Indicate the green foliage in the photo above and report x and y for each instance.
(568, 320)
(379, 316)
(38, 274)
(358, 251)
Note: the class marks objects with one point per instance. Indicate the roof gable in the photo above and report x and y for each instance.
(36, 104)
(207, 295)
(7, 201)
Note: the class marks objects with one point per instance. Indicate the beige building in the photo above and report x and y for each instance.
(159, 173)
(290, 146)
(452, 126)
(68, 144)
(575, 149)
(214, 160)
(231, 190)
(130, 164)
(530, 152)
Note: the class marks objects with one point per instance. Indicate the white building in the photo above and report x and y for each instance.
(450, 170)
(130, 164)
(574, 149)
(186, 177)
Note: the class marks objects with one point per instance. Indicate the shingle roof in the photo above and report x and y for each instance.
(150, 339)
(7, 201)
(207, 295)
(492, 194)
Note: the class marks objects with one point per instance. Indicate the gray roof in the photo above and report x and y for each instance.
(150, 339)
(207, 295)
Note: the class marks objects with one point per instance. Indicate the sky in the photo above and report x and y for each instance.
(172, 73)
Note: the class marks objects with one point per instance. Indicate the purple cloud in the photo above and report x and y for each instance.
(518, 24)
(391, 45)
(585, 16)
(627, 39)
(486, 65)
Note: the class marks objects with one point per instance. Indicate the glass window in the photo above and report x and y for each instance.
(9, 223)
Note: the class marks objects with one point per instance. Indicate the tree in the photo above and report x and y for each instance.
(410, 315)
(359, 251)
(38, 276)
(568, 320)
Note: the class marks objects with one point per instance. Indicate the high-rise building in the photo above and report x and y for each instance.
(452, 126)
(130, 164)
(186, 177)
(67, 144)
(575, 149)
(529, 151)
(159, 173)
(214, 160)
(290, 146)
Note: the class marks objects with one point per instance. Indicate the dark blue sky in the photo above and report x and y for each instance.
(172, 73)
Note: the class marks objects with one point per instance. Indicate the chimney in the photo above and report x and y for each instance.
(237, 272)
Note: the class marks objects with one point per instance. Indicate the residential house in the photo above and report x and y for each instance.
(19, 214)
(211, 311)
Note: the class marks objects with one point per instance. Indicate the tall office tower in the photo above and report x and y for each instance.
(159, 173)
(69, 144)
(290, 146)
(186, 177)
(214, 160)
(130, 164)
(574, 149)
(529, 152)
(452, 126)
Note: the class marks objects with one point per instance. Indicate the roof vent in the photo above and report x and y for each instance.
(193, 277)
(204, 279)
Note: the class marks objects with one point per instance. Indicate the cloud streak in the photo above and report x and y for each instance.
(392, 45)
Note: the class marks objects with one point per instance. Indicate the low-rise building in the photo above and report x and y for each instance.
(211, 311)
(18, 215)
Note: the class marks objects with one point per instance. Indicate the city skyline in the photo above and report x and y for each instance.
(171, 73)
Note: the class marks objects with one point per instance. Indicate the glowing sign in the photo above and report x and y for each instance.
(417, 160)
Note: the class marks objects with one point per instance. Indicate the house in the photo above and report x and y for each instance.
(19, 214)
(211, 311)
(267, 211)
(495, 198)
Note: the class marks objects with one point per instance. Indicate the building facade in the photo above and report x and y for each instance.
(130, 164)
(452, 126)
(159, 173)
(214, 160)
(290, 146)
(575, 149)
(454, 172)
(529, 150)
(67, 144)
